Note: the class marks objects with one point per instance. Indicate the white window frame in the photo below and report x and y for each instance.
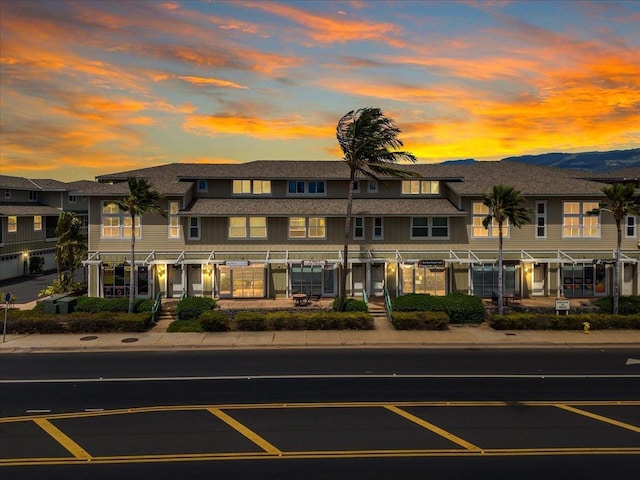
(630, 224)
(249, 230)
(122, 226)
(310, 224)
(173, 223)
(420, 187)
(430, 226)
(196, 226)
(541, 217)
(358, 228)
(479, 212)
(581, 216)
(37, 223)
(12, 224)
(245, 187)
(305, 187)
(374, 235)
(372, 186)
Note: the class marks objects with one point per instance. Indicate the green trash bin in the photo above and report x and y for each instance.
(51, 304)
(67, 304)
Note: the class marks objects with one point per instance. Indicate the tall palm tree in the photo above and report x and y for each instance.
(505, 205)
(369, 142)
(70, 246)
(140, 200)
(621, 201)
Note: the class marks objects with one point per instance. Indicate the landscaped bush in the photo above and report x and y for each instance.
(96, 304)
(351, 305)
(190, 308)
(319, 321)
(193, 325)
(214, 321)
(420, 320)
(81, 322)
(626, 305)
(251, 321)
(25, 321)
(459, 307)
(550, 321)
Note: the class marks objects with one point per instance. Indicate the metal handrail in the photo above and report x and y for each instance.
(365, 299)
(387, 303)
(155, 309)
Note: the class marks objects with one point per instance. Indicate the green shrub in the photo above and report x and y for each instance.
(550, 321)
(25, 321)
(319, 321)
(190, 308)
(286, 320)
(627, 305)
(351, 305)
(251, 321)
(459, 307)
(96, 304)
(420, 320)
(214, 321)
(81, 322)
(184, 326)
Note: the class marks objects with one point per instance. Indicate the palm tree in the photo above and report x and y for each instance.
(505, 205)
(70, 246)
(140, 201)
(368, 140)
(621, 201)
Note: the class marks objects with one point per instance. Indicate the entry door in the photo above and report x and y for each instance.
(174, 288)
(357, 278)
(377, 279)
(539, 276)
(194, 280)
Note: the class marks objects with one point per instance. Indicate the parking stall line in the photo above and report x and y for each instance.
(434, 428)
(600, 418)
(59, 436)
(247, 432)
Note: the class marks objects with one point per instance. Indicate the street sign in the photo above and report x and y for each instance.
(7, 297)
(563, 306)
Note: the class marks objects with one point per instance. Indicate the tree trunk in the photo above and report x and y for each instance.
(616, 270)
(347, 231)
(132, 282)
(500, 280)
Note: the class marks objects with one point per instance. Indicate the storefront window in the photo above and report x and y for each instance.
(419, 279)
(242, 281)
(584, 280)
(485, 279)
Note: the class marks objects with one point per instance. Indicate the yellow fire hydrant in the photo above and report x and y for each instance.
(586, 326)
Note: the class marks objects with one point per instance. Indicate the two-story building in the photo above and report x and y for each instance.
(271, 228)
(29, 211)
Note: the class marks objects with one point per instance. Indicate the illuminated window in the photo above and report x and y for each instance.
(420, 187)
(247, 227)
(575, 221)
(174, 220)
(37, 223)
(307, 227)
(12, 224)
(117, 224)
(252, 187)
(480, 211)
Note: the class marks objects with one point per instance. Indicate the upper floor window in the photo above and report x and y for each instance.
(378, 230)
(194, 228)
(73, 199)
(117, 224)
(252, 187)
(541, 219)
(307, 227)
(7, 194)
(630, 226)
(203, 186)
(174, 219)
(247, 227)
(312, 187)
(480, 212)
(12, 225)
(420, 187)
(575, 221)
(429, 227)
(372, 186)
(358, 228)
(33, 196)
(37, 223)
(356, 186)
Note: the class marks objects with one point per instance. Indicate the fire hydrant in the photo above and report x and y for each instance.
(586, 326)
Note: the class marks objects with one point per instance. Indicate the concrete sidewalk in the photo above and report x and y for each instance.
(481, 336)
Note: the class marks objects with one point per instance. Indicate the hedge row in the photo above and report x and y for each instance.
(532, 321)
(459, 307)
(190, 308)
(627, 305)
(420, 320)
(24, 321)
(217, 321)
(351, 305)
(96, 304)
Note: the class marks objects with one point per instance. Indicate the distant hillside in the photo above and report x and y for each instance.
(601, 162)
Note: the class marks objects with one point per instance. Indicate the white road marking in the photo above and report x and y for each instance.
(632, 361)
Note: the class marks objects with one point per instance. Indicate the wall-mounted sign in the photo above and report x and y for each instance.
(431, 263)
(237, 263)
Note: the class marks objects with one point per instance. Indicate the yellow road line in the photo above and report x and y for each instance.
(60, 437)
(434, 428)
(247, 432)
(595, 416)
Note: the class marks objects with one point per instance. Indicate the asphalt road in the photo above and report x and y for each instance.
(560, 413)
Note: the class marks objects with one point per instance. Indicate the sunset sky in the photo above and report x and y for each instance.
(92, 87)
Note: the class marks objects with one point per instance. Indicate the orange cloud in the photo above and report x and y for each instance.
(200, 81)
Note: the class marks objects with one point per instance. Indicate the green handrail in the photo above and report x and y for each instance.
(365, 299)
(155, 309)
(387, 303)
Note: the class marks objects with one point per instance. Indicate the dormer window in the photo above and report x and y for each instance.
(301, 187)
(252, 187)
(33, 196)
(420, 187)
(203, 186)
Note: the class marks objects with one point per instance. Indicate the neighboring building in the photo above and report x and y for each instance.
(29, 211)
(271, 228)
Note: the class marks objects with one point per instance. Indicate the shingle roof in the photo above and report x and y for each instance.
(27, 210)
(17, 183)
(320, 206)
